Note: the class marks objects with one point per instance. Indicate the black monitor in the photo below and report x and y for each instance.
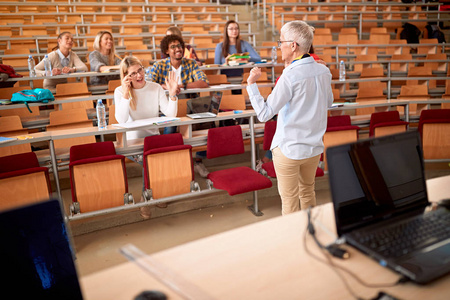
(37, 260)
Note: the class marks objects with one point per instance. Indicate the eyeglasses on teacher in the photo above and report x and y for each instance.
(280, 41)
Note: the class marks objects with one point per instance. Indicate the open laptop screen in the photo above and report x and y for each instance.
(36, 257)
(205, 104)
(373, 179)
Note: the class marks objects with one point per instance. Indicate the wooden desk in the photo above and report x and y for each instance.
(265, 260)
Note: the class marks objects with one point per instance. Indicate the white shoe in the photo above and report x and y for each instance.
(259, 164)
(201, 170)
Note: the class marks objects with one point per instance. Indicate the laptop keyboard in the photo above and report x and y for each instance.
(405, 237)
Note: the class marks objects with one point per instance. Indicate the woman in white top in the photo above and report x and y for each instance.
(138, 99)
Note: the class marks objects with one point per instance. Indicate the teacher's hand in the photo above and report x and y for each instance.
(255, 73)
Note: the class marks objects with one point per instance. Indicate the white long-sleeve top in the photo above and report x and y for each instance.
(150, 100)
(300, 98)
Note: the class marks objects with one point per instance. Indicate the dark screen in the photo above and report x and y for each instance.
(374, 179)
(36, 257)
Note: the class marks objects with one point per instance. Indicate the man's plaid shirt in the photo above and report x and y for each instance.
(190, 71)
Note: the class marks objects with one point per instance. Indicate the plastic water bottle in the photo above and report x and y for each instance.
(274, 55)
(47, 66)
(101, 115)
(31, 66)
(342, 71)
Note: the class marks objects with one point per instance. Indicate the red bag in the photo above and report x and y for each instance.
(9, 70)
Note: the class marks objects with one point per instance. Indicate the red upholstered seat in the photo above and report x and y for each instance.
(224, 141)
(22, 180)
(430, 116)
(338, 123)
(339, 131)
(386, 119)
(168, 167)
(98, 177)
(434, 128)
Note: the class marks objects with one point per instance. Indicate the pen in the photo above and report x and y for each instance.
(129, 93)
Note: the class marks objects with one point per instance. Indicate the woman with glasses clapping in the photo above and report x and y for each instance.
(138, 99)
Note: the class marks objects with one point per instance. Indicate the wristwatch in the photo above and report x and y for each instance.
(74, 69)
(174, 97)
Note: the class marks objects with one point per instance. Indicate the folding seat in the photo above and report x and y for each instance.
(168, 167)
(11, 126)
(98, 178)
(434, 128)
(268, 168)
(224, 141)
(339, 131)
(385, 123)
(22, 180)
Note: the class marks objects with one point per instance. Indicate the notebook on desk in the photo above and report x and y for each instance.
(36, 253)
(204, 107)
(380, 198)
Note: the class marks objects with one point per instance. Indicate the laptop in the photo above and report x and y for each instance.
(36, 253)
(380, 199)
(204, 107)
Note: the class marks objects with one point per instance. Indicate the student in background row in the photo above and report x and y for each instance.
(103, 57)
(189, 52)
(63, 61)
(232, 44)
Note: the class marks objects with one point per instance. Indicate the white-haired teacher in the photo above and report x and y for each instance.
(300, 98)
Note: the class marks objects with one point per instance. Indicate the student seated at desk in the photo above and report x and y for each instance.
(138, 99)
(232, 44)
(63, 61)
(189, 76)
(103, 57)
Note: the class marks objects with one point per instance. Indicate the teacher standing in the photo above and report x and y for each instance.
(300, 98)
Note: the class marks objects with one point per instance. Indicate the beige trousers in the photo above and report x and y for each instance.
(296, 179)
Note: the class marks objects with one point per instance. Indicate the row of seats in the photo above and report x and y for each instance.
(168, 163)
(168, 171)
(434, 128)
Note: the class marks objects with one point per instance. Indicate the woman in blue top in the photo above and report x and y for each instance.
(232, 44)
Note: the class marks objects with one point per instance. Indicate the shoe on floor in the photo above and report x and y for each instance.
(259, 164)
(146, 212)
(201, 170)
(161, 205)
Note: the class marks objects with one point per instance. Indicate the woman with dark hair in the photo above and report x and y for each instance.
(63, 61)
(232, 44)
(103, 57)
